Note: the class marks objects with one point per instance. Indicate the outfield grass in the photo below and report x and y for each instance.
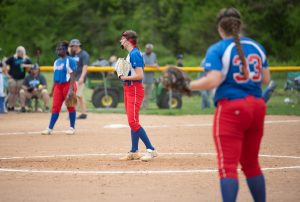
(191, 105)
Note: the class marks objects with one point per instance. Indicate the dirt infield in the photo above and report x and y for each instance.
(85, 167)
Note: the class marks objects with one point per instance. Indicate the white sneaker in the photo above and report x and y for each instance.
(71, 131)
(47, 131)
(149, 155)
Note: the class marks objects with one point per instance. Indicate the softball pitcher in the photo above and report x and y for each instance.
(237, 67)
(133, 97)
(64, 86)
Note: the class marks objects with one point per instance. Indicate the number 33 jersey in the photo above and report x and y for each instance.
(223, 56)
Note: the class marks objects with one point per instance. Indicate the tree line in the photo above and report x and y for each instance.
(173, 26)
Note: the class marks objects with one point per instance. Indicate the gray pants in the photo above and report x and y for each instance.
(205, 99)
(148, 92)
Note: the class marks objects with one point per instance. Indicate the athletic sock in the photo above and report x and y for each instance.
(134, 141)
(143, 135)
(72, 117)
(257, 188)
(229, 189)
(53, 119)
(2, 100)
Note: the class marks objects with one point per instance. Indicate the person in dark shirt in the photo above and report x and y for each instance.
(34, 85)
(2, 91)
(82, 60)
(150, 60)
(179, 60)
(18, 65)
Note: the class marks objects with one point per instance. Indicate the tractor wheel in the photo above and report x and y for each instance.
(176, 101)
(99, 99)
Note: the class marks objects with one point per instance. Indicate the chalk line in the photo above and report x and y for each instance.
(120, 154)
(114, 172)
(120, 126)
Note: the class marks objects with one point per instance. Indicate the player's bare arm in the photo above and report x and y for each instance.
(210, 81)
(266, 76)
(138, 76)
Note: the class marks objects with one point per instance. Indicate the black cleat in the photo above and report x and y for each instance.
(46, 109)
(23, 109)
(10, 109)
(82, 116)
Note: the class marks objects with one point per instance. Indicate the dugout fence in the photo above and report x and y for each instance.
(186, 69)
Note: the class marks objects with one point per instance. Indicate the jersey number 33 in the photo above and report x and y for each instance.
(253, 60)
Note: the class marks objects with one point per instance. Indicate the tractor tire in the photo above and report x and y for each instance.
(176, 102)
(100, 100)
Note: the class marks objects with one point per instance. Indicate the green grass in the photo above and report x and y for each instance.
(276, 106)
(191, 105)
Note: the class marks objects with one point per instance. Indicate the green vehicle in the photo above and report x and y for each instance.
(108, 92)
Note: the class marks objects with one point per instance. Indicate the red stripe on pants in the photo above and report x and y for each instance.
(60, 92)
(133, 99)
(237, 131)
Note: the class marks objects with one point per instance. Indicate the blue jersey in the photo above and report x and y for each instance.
(222, 56)
(63, 67)
(136, 60)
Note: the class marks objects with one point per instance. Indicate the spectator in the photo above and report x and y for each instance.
(269, 90)
(82, 59)
(150, 60)
(2, 94)
(179, 62)
(18, 65)
(205, 103)
(34, 85)
(100, 62)
(113, 60)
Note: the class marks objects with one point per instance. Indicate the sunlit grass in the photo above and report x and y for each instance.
(192, 105)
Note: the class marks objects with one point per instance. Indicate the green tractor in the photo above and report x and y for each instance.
(166, 99)
(108, 92)
(107, 89)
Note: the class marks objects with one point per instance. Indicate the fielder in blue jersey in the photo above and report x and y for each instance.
(64, 85)
(223, 57)
(236, 67)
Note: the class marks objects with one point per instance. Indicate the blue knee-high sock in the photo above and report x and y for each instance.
(72, 117)
(53, 119)
(143, 135)
(134, 141)
(229, 189)
(257, 188)
(2, 100)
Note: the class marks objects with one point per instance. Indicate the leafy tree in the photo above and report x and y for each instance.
(173, 26)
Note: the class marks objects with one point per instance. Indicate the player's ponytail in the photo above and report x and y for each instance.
(230, 21)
